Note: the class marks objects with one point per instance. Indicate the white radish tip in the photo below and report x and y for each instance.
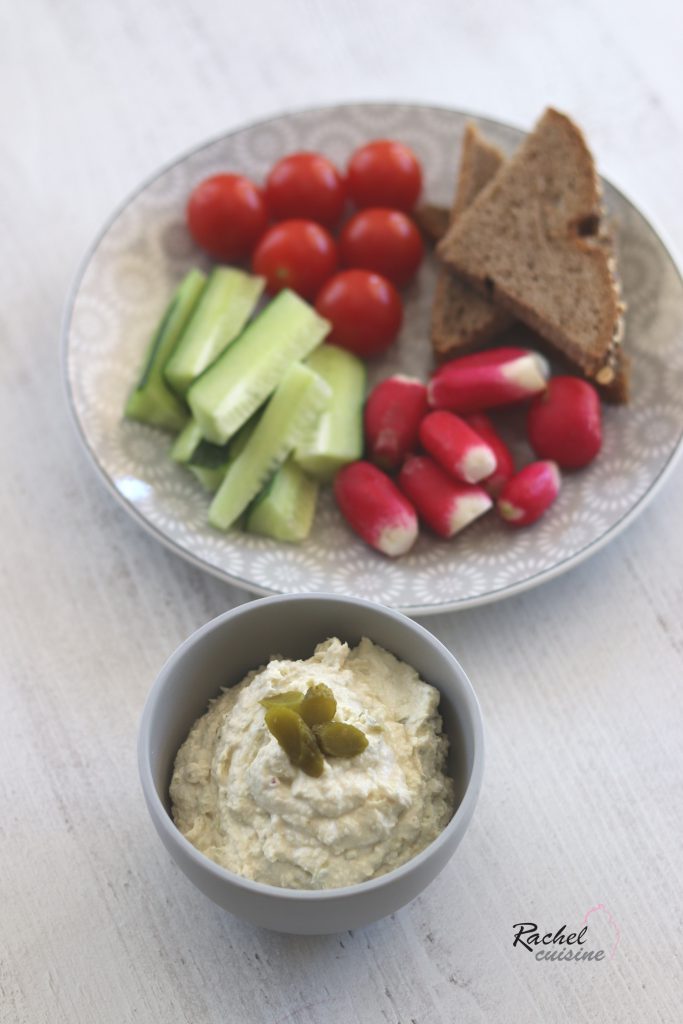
(542, 364)
(555, 473)
(479, 462)
(528, 372)
(396, 540)
(467, 508)
(511, 513)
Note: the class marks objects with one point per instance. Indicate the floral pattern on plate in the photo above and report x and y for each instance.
(145, 250)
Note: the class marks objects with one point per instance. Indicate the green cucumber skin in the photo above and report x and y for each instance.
(187, 442)
(290, 414)
(285, 508)
(151, 401)
(240, 380)
(209, 462)
(209, 478)
(338, 438)
(226, 304)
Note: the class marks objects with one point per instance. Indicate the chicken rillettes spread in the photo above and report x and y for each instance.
(240, 801)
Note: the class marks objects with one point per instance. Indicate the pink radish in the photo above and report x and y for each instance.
(564, 423)
(487, 379)
(456, 447)
(529, 493)
(445, 505)
(492, 356)
(374, 507)
(505, 464)
(392, 416)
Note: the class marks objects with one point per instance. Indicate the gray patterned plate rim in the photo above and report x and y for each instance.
(404, 584)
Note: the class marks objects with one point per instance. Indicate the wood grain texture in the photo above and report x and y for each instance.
(580, 681)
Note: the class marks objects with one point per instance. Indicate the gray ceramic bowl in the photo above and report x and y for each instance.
(220, 654)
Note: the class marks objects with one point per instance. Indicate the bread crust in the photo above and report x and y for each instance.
(461, 318)
(530, 243)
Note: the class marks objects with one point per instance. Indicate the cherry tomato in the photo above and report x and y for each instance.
(384, 173)
(296, 254)
(385, 241)
(306, 185)
(365, 311)
(226, 215)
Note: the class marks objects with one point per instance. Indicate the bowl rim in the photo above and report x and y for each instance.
(172, 833)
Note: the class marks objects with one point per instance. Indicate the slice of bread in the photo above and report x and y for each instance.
(532, 241)
(461, 318)
(432, 220)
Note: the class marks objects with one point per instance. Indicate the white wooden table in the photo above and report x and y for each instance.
(580, 680)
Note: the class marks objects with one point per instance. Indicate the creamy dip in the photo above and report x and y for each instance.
(237, 798)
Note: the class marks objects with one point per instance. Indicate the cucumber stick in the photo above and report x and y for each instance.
(187, 442)
(225, 306)
(338, 437)
(152, 401)
(285, 507)
(209, 462)
(289, 416)
(242, 378)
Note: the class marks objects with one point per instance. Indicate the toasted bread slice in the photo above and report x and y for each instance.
(432, 220)
(461, 318)
(531, 241)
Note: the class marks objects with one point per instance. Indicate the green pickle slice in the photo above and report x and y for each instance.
(338, 739)
(318, 705)
(288, 699)
(296, 739)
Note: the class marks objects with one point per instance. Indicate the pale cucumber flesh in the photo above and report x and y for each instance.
(240, 380)
(288, 417)
(284, 510)
(225, 306)
(209, 478)
(209, 462)
(338, 437)
(152, 401)
(187, 442)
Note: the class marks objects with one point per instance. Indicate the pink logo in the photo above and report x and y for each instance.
(602, 909)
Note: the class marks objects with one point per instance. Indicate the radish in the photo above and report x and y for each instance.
(529, 493)
(445, 505)
(374, 507)
(505, 464)
(487, 379)
(456, 447)
(564, 423)
(392, 417)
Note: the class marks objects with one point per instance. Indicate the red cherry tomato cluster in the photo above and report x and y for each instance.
(379, 249)
(434, 456)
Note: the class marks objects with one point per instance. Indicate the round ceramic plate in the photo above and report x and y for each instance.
(145, 250)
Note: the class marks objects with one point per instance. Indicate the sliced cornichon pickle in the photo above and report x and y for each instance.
(318, 705)
(152, 401)
(225, 306)
(251, 368)
(285, 508)
(296, 739)
(289, 415)
(288, 698)
(338, 739)
(338, 438)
